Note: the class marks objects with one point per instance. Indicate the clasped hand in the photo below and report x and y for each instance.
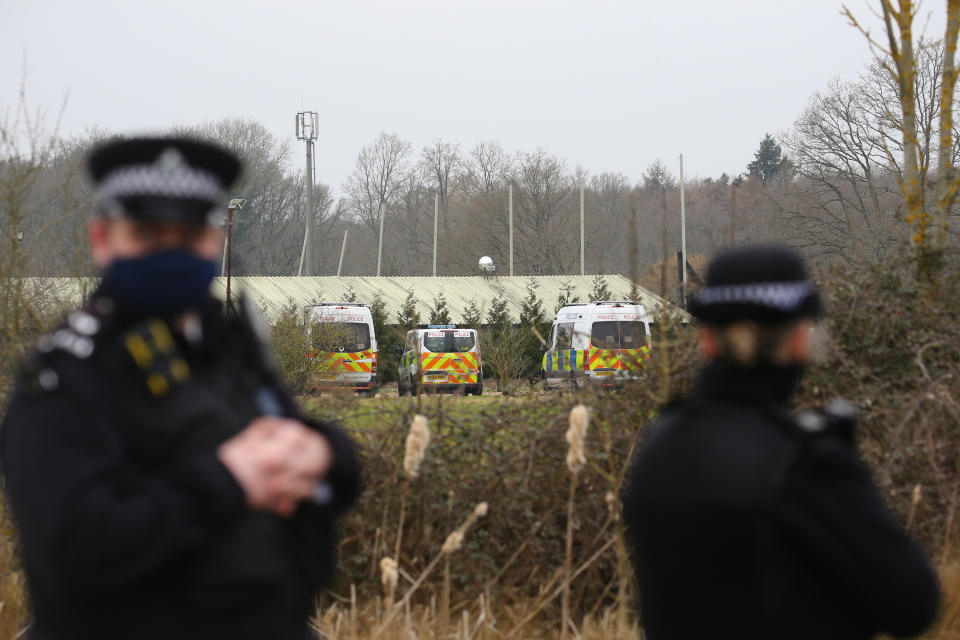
(277, 462)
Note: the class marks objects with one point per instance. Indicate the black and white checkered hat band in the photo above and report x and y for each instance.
(784, 296)
(150, 180)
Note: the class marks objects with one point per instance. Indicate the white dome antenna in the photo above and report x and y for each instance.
(486, 266)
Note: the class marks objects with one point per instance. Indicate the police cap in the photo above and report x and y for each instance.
(764, 284)
(164, 179)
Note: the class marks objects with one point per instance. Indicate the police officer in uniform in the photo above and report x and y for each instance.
(747, 521)
(164, 483)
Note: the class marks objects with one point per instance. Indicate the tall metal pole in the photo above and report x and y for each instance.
(343, 250)
(380, 243)
(683, 236)
(223, 262)
(510, 209)
(308, 234)
(581, 229)
(229, 247)
(436, 216)
(303, 251)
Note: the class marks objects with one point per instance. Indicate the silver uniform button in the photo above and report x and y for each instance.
(83, 347)
(810, 421)
(48, 379)
(83, 323)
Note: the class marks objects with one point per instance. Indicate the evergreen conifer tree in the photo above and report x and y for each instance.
(440, 313)
(566, 296)
(600, 292)
(498, 317)
(388, 338)
(472, 316)
(532, 323)
(531, 310)
(768, 161)
(408, 317)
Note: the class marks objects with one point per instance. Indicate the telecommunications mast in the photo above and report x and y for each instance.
(307, 131)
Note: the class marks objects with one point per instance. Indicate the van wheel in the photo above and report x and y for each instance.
(401, 389)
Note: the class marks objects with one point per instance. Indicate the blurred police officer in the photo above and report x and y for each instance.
(164, 483)
(749, 522)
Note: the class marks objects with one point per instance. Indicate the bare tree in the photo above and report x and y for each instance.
(543, 195)
(840, 204)
(411, 224)
(487, 167)
(378, 178)
(28, 147)
(607, 216)
(268, 231)
(897, 55)
(441, 165)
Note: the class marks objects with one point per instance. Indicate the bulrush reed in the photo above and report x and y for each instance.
(389, 576)
(576, 458)
(415, 451)
(451, 544)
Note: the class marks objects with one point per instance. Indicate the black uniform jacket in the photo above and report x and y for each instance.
(745, 525)
(130, 526)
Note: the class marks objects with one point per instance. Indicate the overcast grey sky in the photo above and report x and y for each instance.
(610, 86)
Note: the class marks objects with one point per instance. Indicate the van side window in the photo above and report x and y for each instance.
(564, 336)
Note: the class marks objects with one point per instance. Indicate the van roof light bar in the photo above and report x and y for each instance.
(337, 304)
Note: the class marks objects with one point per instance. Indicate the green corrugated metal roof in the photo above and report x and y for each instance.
(274, 293)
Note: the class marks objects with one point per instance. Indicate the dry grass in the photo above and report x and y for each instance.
(13, 598)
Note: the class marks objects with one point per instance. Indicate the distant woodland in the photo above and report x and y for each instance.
(828, 185)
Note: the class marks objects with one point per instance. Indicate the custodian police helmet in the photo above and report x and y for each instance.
(169, 179)
(763, 284)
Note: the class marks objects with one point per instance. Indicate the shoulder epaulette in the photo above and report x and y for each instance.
(75, 338)
(155, 353)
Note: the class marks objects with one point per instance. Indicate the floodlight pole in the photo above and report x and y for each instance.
(229, 245)
(380, 242)
(436, 216)
(236, 203)
(343, 250)
(510, 214)
(683, 240)
(581, 229)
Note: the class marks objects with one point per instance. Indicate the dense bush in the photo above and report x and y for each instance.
(894, 350)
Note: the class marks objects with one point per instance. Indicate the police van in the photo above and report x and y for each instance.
(343, 345)
(440, 357)
(596, 342)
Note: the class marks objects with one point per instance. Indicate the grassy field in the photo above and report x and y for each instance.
(509, 573)
(509, 578)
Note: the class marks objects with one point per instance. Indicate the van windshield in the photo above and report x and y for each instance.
(449, 341)
(348, 337)
(618, 334)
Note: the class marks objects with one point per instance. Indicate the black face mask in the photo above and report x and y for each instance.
(162, 284)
